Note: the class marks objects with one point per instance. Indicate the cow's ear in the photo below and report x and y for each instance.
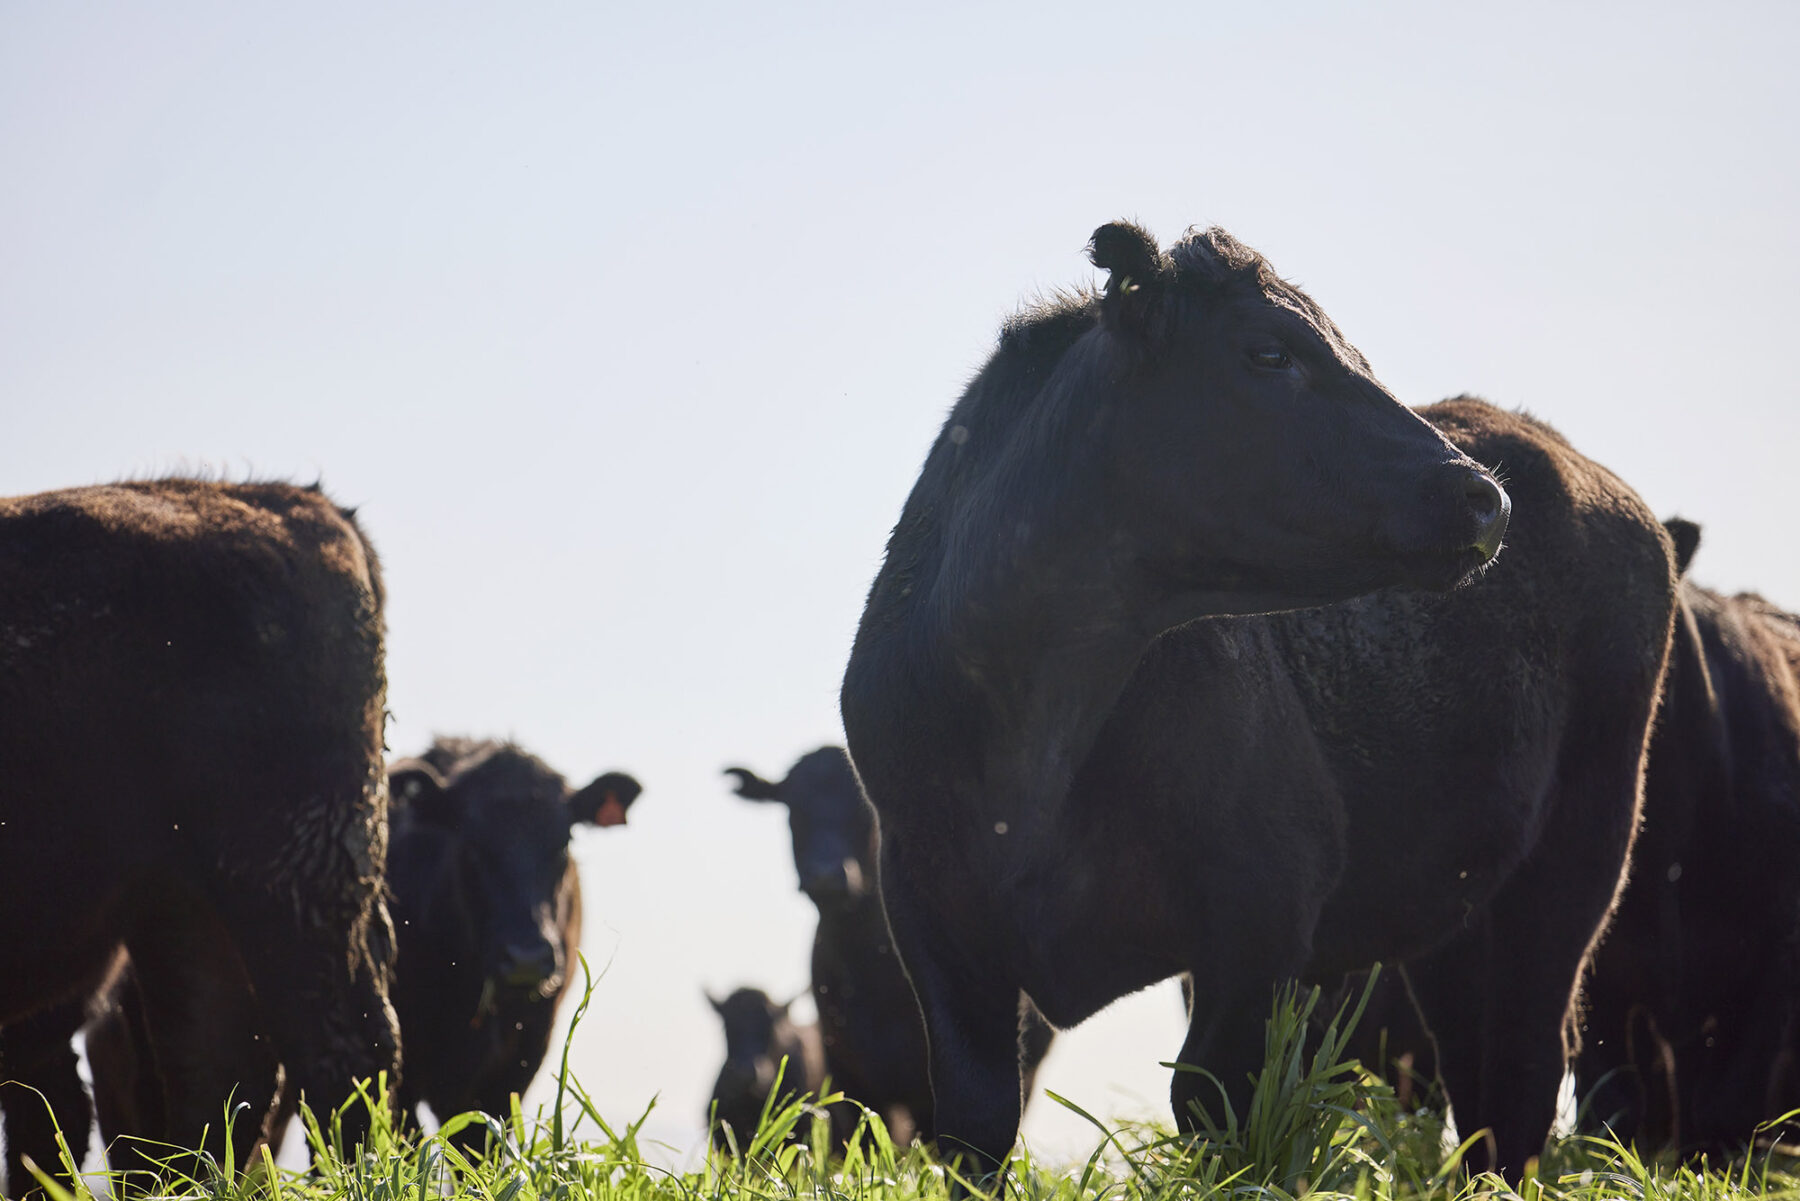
(753, 787)
(718, 1005)
(415, 785)
(1685, 535)
(1137, 280)
(605, 801)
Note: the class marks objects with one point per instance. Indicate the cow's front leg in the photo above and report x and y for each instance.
(970, 1008)
(43, 1093)
(1228, 1016)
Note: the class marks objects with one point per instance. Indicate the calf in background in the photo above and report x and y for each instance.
(758, 1037)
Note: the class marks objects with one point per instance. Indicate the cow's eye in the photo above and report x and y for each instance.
(1270, 358)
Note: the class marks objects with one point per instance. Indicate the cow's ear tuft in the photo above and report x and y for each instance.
(1685, 535)
(416, 786)
(753, 787)
(1137, 279)
(604, 801)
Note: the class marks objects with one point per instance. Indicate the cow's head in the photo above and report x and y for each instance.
(757, 1035)
(503, 819)
(832, 826)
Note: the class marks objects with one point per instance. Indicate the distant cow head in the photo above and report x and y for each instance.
(499, 820)
(832, 826)
(757, 1034)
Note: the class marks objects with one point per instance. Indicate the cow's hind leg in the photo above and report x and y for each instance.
(1623, 1074)
(1500, 998)
(198, 1023)
(128, 1096)
(971, 1014)
(40, 1093)
(304, 908)
(322, 993)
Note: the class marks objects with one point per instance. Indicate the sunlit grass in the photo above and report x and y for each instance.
(1319, 1125)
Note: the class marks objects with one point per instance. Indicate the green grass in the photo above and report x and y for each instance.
(1318, 1126)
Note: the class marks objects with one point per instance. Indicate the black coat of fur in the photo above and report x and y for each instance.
(1693, 1014)
(1692, 1007)
(487, 910)
(1081, 790)
(190, 766)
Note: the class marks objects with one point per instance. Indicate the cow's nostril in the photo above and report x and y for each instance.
(1490, 507)
(1484, 495)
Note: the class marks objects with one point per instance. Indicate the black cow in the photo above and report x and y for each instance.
(758, 1036)
(1692, 1003)
(487, 907)
(1083, 789)
(190, 767)
(873, 1038)
(1693, 1013)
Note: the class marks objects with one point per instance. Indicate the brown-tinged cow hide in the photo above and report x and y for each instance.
(1693, 1007)
(191, 715)
(486, 905)
(1691, 1030)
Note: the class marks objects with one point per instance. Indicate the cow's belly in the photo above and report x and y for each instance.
(1266, 865)
(1429, 843)
(51, 951)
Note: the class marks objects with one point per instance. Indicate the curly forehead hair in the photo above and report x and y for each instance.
(1215, 256)
(1212, 257)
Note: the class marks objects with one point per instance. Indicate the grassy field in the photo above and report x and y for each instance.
(1318, 1126)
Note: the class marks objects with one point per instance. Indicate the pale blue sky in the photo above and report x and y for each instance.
(627, 328)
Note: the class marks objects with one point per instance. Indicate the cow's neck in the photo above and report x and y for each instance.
(1037, 641)
(1012, 622)
(1034, 655)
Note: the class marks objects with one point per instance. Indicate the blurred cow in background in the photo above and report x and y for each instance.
(759, 1036)
(487, 911)
(874, 1039)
